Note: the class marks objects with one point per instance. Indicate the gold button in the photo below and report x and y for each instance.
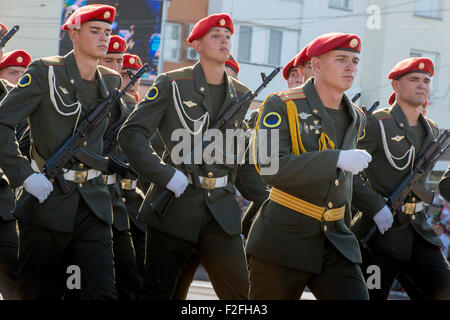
(336, 182)
(85, 144)
(80, 185)
(236, 123)
(330, 204)
(81, 166)
(210, 174)
(413, 217)
(413, 199)
(401, 125)
(325, 228)
(209, 194)
(124, 199)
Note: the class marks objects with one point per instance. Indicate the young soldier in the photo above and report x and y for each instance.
(206, 219)
(301, 235)
(303, 63)
(128, 277)
(395, 137)
(131, 195)
(56, 93)
(114, 56)
(8, 233)
(13, 65)
(292, 74)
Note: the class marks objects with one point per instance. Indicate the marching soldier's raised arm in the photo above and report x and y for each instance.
(139, 128)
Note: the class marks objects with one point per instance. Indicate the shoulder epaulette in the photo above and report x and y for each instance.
(105, 71)
(53, 61)
(181, 74)
(383, 114)
(292, 94)
(238, 86)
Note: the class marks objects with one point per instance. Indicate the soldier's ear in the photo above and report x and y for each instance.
(315, 65)
(395, 85)
(197, 45)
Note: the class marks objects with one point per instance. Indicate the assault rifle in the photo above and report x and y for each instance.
(8, 36)
(412, 183)
(162, 201)
(72, 148)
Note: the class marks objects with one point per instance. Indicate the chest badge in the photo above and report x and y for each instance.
(304, 115)
(397, 138)
(316, 127)
(189, 104)
(63, 90)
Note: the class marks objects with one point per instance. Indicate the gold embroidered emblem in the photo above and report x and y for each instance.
(421, 65)
(116, 45)
(397, 138)
(19, 59)
(107, 15)
(353, 43)
(189, 104)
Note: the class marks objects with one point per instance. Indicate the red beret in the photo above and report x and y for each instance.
(99, 12)
(288, 66)
(302, 56)
(232, 64)
(334, 41)
(16, 58)
(215, 20)
(117, 44)
(131, 61)
(409, 65)
(3, 29)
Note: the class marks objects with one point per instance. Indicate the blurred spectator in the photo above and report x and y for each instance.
(440, 230)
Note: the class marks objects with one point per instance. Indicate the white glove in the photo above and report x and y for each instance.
(383, 219)
(354, 160)
(38, 185)
(178, 183)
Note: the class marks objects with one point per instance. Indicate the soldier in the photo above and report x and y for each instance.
(8, 230)
(114, 56)
(205, 219)
(292, 74)
(301, 235)
(444, 185)
(55, 93)
(128, 277)
(303, 63)
(132, 195)
(13, 65)
(395, 137)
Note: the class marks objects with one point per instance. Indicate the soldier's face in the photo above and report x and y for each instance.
(92, 38)
(214, 45)
(113, 61)
(413, 88)
(306, 69)
(294, 78)
(12, 74)
(126, 78)
(336, 68)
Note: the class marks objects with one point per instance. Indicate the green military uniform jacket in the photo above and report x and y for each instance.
(157, 111)
(49, 129)
(444, 185)
(384, 179)
(286, 237)
(6, 194)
